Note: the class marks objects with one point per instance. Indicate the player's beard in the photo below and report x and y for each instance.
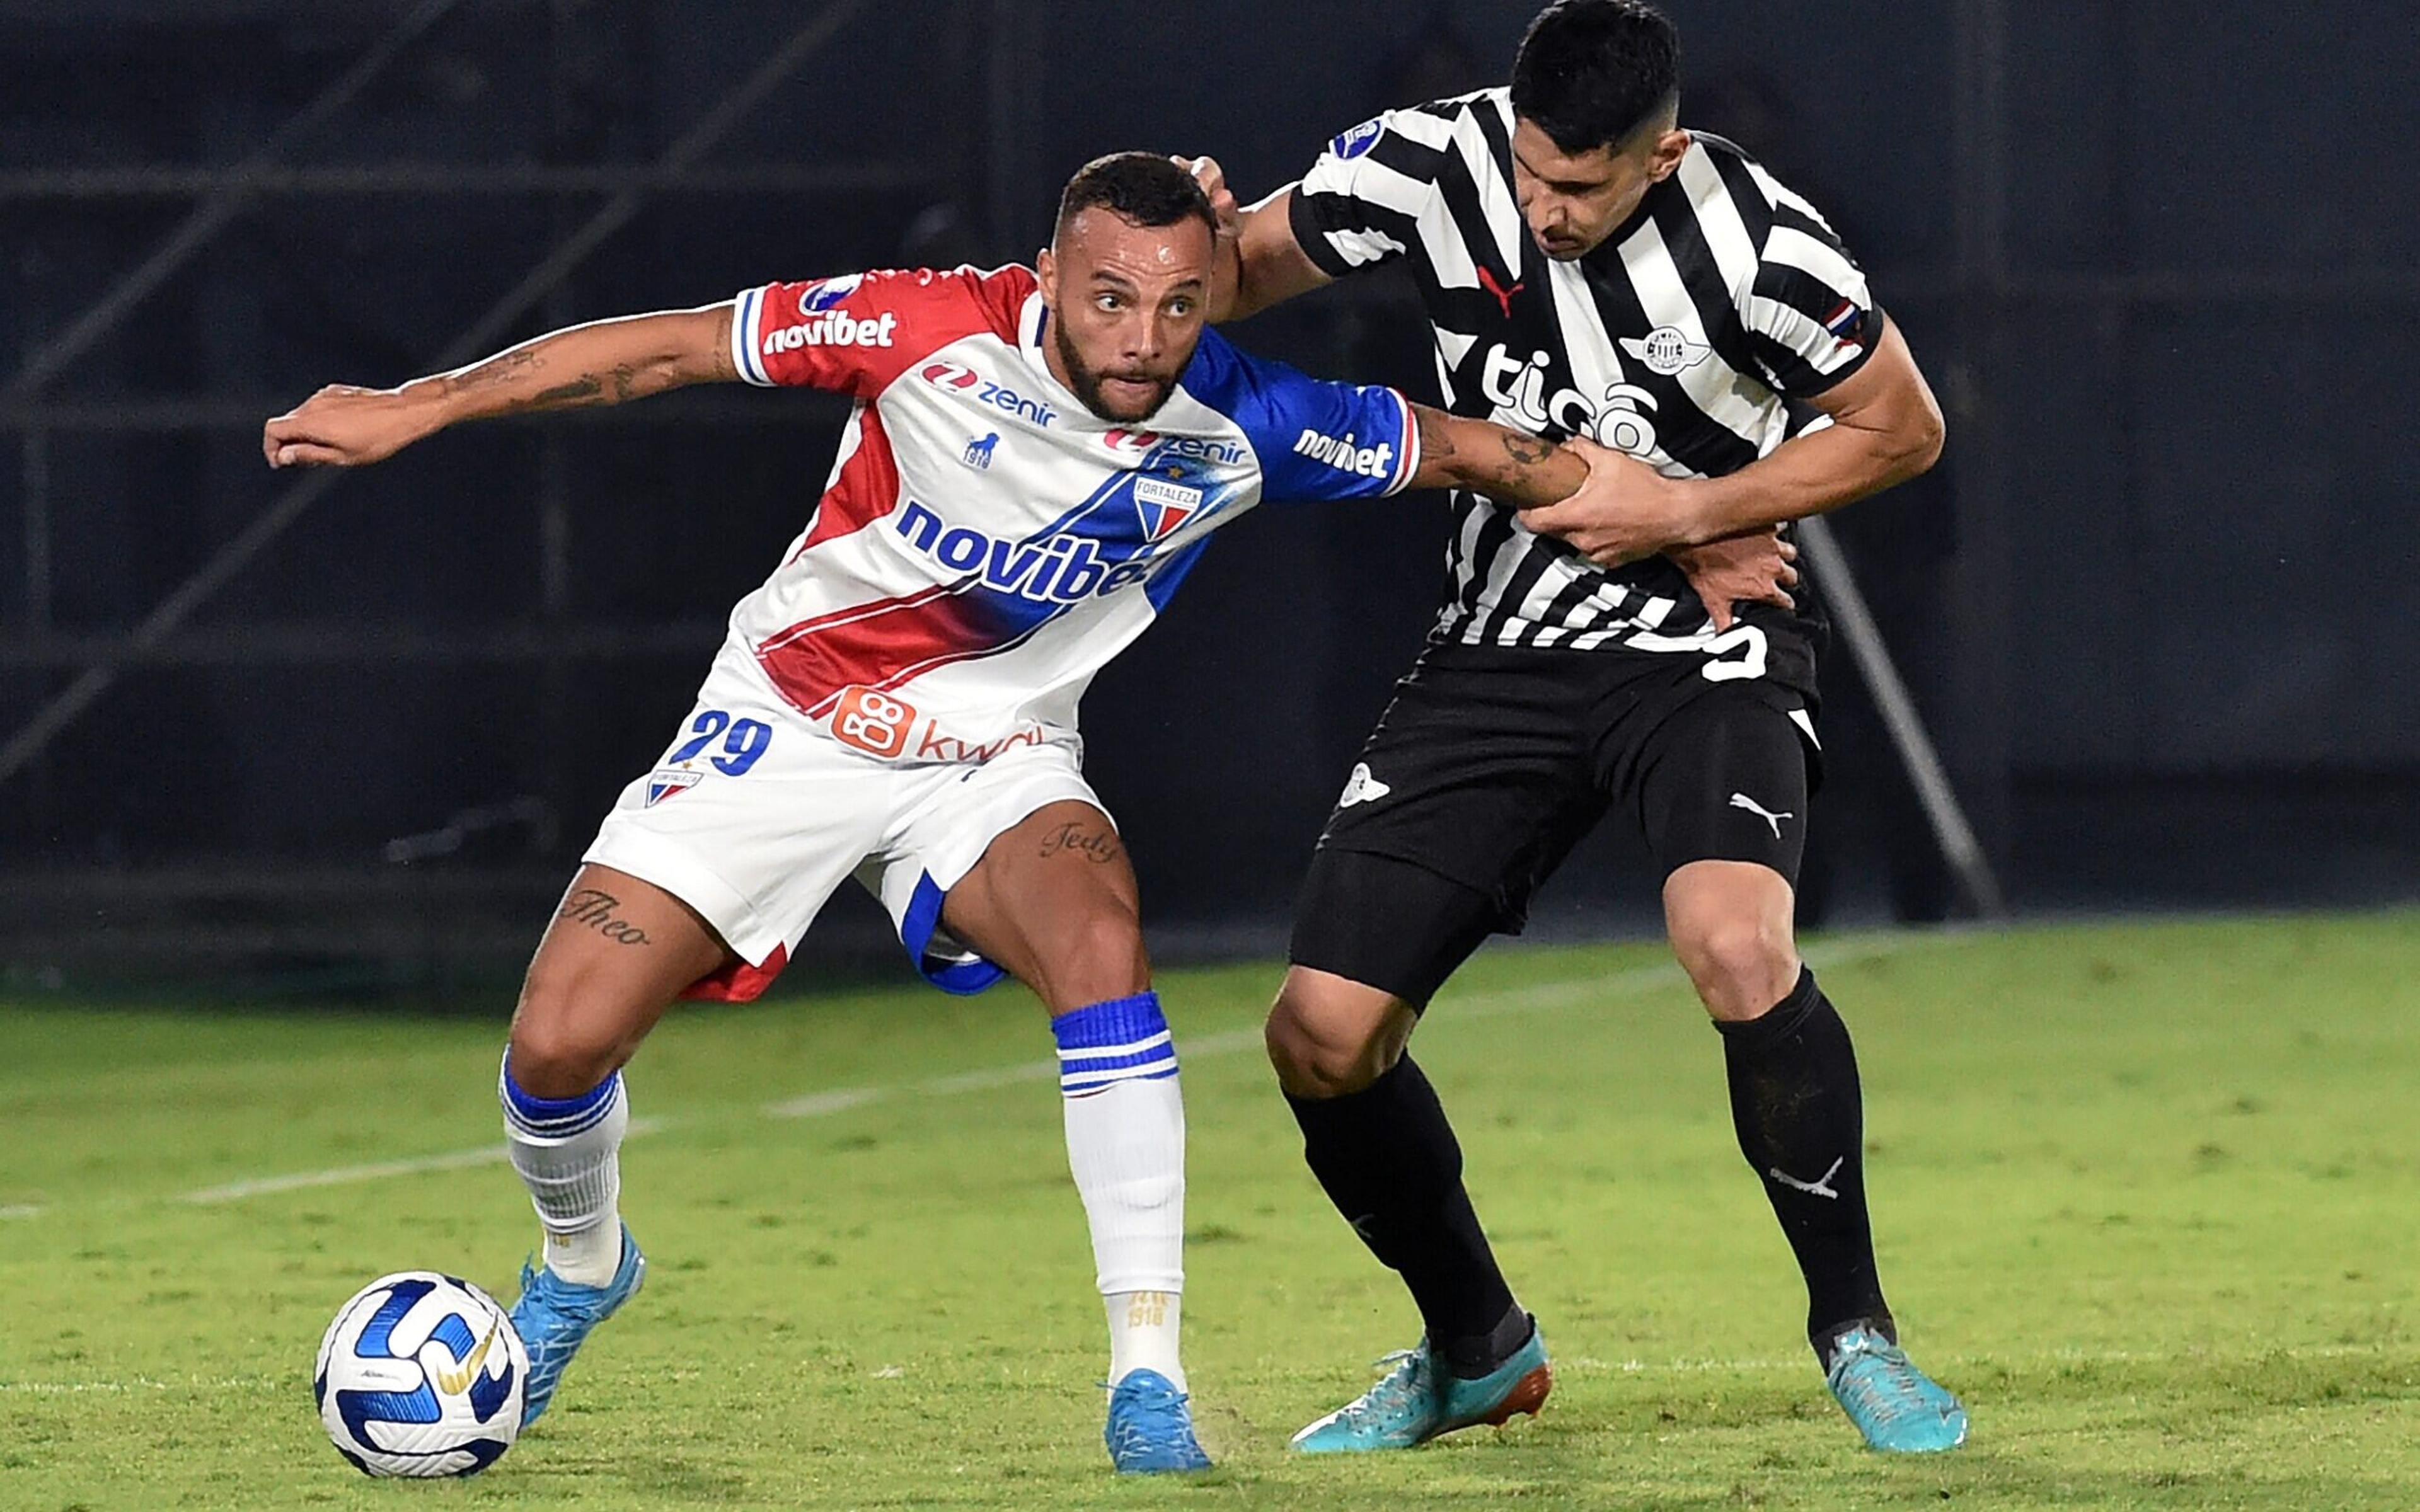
(1085, 383)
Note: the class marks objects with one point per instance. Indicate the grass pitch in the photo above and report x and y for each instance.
(2145, 1195)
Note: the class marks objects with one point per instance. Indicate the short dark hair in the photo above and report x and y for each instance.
(1591, 72)
(1145, 188)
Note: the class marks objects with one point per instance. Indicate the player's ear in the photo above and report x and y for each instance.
(1046, 275)
(1670, 149)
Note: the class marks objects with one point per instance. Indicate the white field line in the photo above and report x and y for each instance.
(378, 1170)
(21, 1209)
(1541, 997)
(78, 1388)
(1581, 1364)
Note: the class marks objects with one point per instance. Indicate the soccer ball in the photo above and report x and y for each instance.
(421, 1374)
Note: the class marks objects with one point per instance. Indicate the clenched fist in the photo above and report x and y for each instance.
(345, 427)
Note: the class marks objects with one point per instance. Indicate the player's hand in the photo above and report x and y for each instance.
(1212, 179)
(1754, 568)
(345, 427)
(1626, 509)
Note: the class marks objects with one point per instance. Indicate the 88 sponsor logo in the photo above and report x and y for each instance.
(875, 723)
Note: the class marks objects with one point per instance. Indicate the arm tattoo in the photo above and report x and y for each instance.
(1527, 450)
(1098, 846)
(594, 908)
(493, 372)
(579, 391)
(1436, 435)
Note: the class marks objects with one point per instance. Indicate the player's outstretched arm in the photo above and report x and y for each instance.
(1506, 465)
(606, 362)
(1752, 565)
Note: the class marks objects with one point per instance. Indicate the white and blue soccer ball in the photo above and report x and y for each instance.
(421, 1374)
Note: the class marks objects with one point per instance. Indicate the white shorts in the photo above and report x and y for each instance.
(755, 814)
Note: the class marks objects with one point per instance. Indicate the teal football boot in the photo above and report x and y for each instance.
(1898, 1409)
(1151, 1427)
(1419, 1399)
(554, 1317)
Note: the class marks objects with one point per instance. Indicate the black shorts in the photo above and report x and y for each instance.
(1491, 763)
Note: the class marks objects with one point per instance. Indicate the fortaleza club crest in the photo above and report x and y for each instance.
(1164, 505)
(1665, 351)
(670, 782)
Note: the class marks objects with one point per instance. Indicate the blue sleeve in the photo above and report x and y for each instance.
(1316, 441)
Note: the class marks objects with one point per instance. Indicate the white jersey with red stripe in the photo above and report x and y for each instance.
(985, 543)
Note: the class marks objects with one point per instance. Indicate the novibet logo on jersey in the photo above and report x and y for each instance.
(1345, 456)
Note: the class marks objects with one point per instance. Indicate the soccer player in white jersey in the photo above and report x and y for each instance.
(1036, 459)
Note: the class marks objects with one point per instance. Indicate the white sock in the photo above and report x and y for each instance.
(568, 1154)
(1125, 1148)
(1142, 1334)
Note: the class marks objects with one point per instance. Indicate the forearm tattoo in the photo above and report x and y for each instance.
(617, 384)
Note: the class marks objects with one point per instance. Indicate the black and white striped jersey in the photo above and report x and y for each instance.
(1683, 339)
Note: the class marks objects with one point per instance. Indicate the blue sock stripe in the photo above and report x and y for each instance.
(1156, 1055)
(1094, 1084)
(1118, 1022)
(557, 1117)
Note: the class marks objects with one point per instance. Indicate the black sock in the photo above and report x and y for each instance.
(1796, 1103)
(1389, 1161)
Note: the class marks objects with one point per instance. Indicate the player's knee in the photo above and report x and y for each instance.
(556, 1050)
(1317, 1055)
(1740, 964)
(1100, 958)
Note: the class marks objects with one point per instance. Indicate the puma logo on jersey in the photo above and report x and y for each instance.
(1503, 295)
(1741, 800)
(1361, 787)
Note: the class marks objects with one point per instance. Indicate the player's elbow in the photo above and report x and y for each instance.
(1916, 439)
(1931, 433)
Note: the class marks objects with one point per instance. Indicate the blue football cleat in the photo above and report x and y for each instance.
(555, 1316)
(1151, 1427)
(1898, 1409)
(1419, 1399)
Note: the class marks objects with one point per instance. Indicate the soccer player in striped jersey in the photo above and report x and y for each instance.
(1035, 460)
(1593, 272)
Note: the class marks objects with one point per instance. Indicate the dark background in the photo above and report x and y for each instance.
(2160, 261)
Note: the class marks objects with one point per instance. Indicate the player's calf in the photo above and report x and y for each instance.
(1054, 902)
(617, 952)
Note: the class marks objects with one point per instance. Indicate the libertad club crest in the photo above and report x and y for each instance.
(1665, 351)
